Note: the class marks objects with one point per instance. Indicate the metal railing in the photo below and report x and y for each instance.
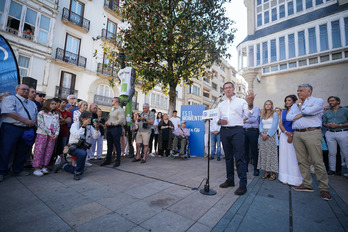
(71, 58)
(105, 70)
(63, 93)
(108, 35)
(102, 100)
(76, 19)
(112, 5)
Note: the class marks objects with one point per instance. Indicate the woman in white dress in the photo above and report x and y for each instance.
(289, 172)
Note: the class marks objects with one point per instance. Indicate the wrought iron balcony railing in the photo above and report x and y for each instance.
(76, 19)
(112, 5)
(105, 70)
(108, 35)
(71, 58)
(102, 100)
(63, 93)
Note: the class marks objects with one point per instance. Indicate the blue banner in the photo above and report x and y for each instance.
(192, 115)
(9, 74)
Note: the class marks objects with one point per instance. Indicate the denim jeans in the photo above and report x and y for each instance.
(80, 155)
(215, 142)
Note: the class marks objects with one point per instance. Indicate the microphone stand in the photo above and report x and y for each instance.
(207, 190)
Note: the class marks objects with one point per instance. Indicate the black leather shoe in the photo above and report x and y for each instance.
(116, 164)
(240, 191)
(331, 173)
(77, 176)
(227, 184)
(105, 163)
(256, 173)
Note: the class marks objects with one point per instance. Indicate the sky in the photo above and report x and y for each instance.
(238, 13)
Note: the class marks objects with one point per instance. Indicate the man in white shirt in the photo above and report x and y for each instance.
(306, 115)
(232, 134)
(175, 120)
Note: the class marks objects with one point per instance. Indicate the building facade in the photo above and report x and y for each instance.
(291, 42)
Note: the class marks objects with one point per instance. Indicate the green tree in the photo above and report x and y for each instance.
(169, 42)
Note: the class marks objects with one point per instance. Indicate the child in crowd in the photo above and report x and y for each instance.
(47, 132)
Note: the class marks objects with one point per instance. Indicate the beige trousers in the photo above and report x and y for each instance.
(306, 144)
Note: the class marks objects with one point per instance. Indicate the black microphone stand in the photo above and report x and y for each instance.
(207, 190)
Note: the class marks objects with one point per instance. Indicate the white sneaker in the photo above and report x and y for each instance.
(38, 173)
(152, 155)
(88, 164)
(44, 171)
(345, 175)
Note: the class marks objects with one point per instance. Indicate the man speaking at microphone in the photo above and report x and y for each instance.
(231, 113)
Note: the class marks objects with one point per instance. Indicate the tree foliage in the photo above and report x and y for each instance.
(169, 42)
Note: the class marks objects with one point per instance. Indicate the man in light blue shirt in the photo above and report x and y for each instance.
(306, 115)
(251, 131)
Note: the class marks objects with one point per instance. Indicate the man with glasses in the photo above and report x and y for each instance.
(39, 100)
(71, 106)
(231, 113)
(18, 114)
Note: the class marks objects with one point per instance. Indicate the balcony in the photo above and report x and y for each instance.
(102, 100)
(109, 36)
(112, 6)
(71, 58)
(105, 70)
(75, 19)
(207, 99)
(63, 93)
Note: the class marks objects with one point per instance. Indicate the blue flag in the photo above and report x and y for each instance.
(9, 73)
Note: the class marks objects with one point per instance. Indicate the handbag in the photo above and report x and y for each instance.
(29, 133)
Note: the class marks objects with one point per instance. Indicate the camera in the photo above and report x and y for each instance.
(95, 120)
(82, 143)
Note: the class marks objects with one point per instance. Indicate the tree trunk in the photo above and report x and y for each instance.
(172, 98)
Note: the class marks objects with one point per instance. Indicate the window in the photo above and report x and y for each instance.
(264, 53)
(251, 56)
(259, 2)
(44, 28)
(23, 65)
(258, 55)
(259, 20)
(290, 8)
(105, 91)
(77, 10)
(111, 30)
(292, 65)
(72, 44)
(222, 68)
(266, 17)
(346, 29)
(281, 11)
(273, 50)
(2, 6)
(312, 40)
(324, 44)
(291, 44)
(222, 79)
(282, 54)
(309, 4)
(336, 34)
(195, 90)
(214, 86)
(206, 94)
(29, 25)
(274, 14)
(301, 43)
(283, 66)
(318, 2)
(14, 17)
(299, 6)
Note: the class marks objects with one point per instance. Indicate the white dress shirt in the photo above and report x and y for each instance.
(312, 110)
(233, 110)
(77, 132)
(214, 126)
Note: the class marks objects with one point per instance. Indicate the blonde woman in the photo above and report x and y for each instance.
(82, 105)
(268, 157)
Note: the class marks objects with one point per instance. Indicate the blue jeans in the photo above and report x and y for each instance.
(215, 142)
(80, 155)
(11, 142)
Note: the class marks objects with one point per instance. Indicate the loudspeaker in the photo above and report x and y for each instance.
(31, 82)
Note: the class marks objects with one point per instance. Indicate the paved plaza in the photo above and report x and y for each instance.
(161, 196)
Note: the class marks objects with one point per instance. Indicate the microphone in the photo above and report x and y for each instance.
(222, 95)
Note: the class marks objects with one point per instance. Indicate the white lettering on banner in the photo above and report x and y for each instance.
(197, 130)
(188, 116)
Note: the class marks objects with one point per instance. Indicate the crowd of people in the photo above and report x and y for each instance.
(44, 132)
(284, 143)
(289, 142)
